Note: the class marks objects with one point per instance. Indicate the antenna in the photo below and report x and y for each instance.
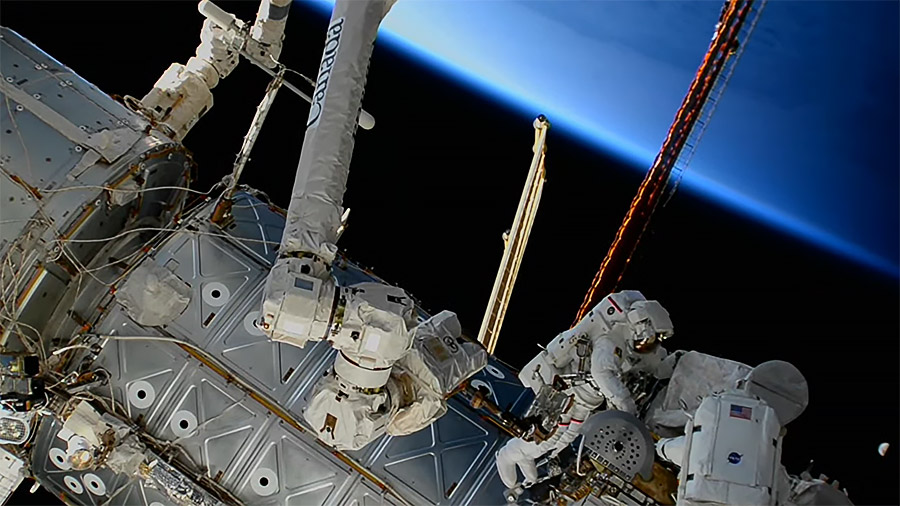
(515, 240)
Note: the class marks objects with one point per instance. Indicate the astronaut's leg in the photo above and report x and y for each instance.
(518, 452)
(671, 449)
(521, 453)
(574, 419)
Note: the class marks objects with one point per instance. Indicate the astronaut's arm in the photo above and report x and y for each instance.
(615, 392)
(605, 373)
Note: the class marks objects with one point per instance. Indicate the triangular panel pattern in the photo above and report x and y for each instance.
(221, 450)
(216, 262)
(457, 463)
(223, 425)
(412, 444)
(254, 220)
(419, 473)
(189, 400)
(363, 495)
(292, 359)
(161, 382)
(455, 427)
(297, 456)
(224, 408)
(208, 267)
(268, 460)
(318, 494)
(255, 360)
(438, 462)
(288, 470)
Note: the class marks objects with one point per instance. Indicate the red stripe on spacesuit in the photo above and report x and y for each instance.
(611, 301)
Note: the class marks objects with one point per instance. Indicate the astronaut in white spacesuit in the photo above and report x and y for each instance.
(730, 452)
(584, 367)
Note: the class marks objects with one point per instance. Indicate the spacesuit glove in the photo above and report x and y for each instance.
(667, 366)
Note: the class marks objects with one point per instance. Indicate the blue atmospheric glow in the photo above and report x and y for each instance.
(806, 231)
(544, 52)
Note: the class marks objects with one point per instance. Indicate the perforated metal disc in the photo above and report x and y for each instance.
(622, 442)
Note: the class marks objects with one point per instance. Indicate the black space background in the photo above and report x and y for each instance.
(434, 185)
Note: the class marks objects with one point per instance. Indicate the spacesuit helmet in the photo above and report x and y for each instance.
(650, 324)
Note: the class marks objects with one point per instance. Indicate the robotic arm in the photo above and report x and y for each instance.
(370, 324)
(267, 32)
(383, 379)
(182, 95)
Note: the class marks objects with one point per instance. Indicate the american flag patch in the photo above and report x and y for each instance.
(741, 412)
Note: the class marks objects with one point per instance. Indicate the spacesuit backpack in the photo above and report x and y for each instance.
(732, 444)
(733, 448)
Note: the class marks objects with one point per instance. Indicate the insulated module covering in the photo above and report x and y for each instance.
(153, 295)
(450, 358)
(696, 376)
(438, 362)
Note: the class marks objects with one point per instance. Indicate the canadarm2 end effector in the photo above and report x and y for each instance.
(354, 405)
(372, 329)
(314, 214)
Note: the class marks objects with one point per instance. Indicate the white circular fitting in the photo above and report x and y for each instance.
(251, 324)
(73, 484)
(264, 482)
(493, 371)
(216, 294)
(141, 394)
(157, 503)
(59, 458)
(477, 384)
(94, 484)
(183, 423)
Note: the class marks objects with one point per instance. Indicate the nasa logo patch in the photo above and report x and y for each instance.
(734, 458)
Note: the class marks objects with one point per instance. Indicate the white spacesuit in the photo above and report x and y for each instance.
(583, 367)
(730, 452)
